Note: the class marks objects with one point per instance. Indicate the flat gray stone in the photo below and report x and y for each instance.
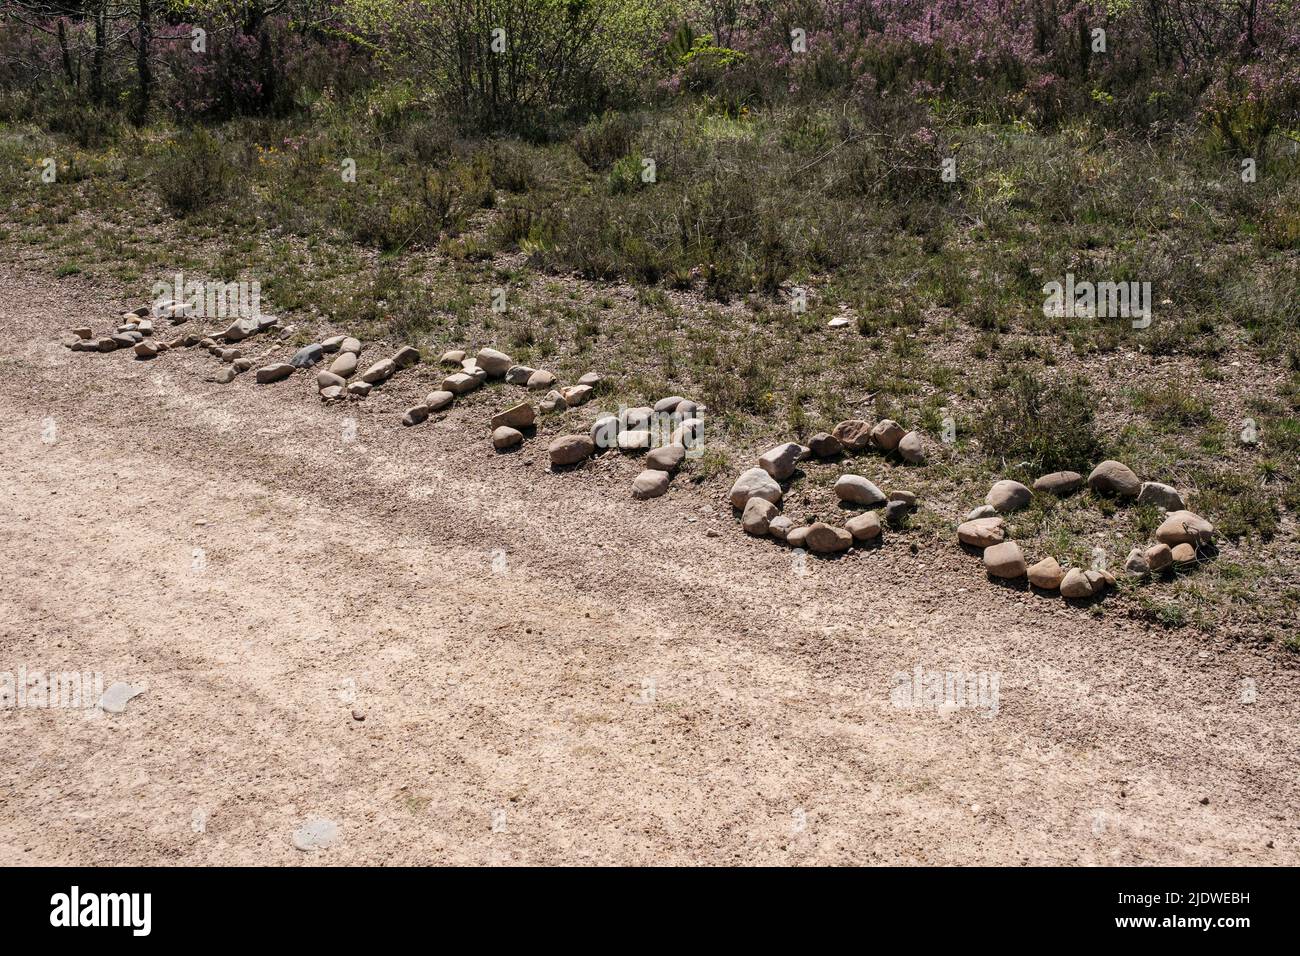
(316, 834)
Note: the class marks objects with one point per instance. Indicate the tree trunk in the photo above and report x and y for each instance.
(144, 78)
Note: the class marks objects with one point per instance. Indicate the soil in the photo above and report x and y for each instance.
(549, 672)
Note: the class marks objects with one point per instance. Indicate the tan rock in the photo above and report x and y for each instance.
(1046, 574)
(570, 449)
(1159, 557)
(864, 527)
(1004, 560)
(381, 371)
(911, 449)
(516, 416)
(826, 539)
(1114, 478)
(887, 434)
(1184, 553)
(493, 362)
(1059, 483)
(982, 532)
(1184, 526)
(650, 484)
(757, 516)
(503, 437)
(1008, 495)
(854, 434)
(753, 483)
(438, 400)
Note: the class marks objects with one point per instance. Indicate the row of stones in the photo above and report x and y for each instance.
(1176, 539)
(643, 428)
(507, 426)
(758, 495)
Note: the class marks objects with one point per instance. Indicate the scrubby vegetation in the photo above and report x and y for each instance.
(652, 182)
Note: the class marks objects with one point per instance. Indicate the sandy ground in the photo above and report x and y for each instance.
(549, 672)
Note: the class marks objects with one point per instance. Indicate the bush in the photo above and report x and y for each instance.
(1051, 427)
(602, 141)
(193, 172)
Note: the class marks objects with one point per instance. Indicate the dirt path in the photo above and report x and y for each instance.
(549, 672)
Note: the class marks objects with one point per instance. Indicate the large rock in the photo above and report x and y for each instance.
(333, 344)
(649, 484)
(981, 533)
(239, 330)
(668, 405)
(635, 419)
(145, 350)
(1136, 562)
(576, 395)
(1161, 496)
(896, 512)
(1004, 560)
(1184, 553)
(665, 458)
(636, 439)
(452, 358)
(824, 445)
(359, 389)
(590, 378)
(415, 414)
(689, 434)
(797, 537)
(406, 357)
(459, 383)
(858, 490)
(1059, 483)
(516, 416)
(1114, 478)
(438, 400)
(604, 431)
(1079, 584)
(1047, 573)
(495, 363)
(755, 483)
(516, 374)
(326, 380)
(344, 365)
(1184, 526)
(553, 402)
(380, 372)
(864, 527)
(1007, 495)
(541, 380)
(826, 539)
(503, 437)
(887, 434)
(273, 373)
(854, 434)
(570, 449)
(757, 517)
(351, 345)
(779, 527)
(305, 357)
(1159, 557)
(780, 462)
(910, 448)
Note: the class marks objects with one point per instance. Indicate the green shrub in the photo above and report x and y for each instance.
(193, 172)
(1049, 426)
